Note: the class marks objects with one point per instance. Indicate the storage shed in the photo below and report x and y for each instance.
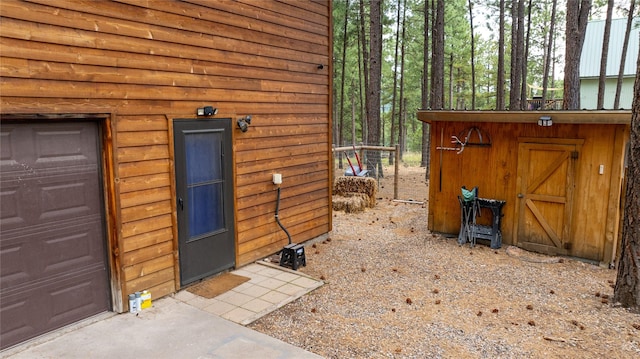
(560, 173)
(139, 140)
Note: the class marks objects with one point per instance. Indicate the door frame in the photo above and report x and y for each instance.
(567, 227)
(174, 200)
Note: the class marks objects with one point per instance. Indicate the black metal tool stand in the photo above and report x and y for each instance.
(467, 220)
(469, 227)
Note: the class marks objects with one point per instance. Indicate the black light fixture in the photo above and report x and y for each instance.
(244, 122)
(206, 111)
(545, 121)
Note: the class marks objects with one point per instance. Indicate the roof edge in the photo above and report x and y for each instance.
(611, 117)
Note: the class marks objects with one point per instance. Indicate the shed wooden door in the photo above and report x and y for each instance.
(545, 199)
(52, 248)
(204, 195)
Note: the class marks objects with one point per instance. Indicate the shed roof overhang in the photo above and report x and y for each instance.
(611, 117)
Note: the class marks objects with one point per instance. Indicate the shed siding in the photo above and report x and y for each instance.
(494, 170)
(589, 93)
(145, 63)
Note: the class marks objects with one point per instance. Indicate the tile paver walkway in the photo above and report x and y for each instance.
(269, 288)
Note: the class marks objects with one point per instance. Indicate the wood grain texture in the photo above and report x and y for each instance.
(148, 62)
(495, 171)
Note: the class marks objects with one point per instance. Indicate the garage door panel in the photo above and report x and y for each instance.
(9, 148)
(62, 198)
(74, 297)
(6, 153)
(43, 252)
(18, 149)
(49, 197)
(9, 204)
(52, 145)
(72, 250)
(60, 303)
(17, 199)
(52, 248)
(14, 268)
(63, 145)
(14, 324)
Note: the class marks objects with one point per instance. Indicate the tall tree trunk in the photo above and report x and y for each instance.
(353, 112)
(554, 59)
(375, 76)
(623, 57)
(362, 96)
(344, 60)
(365, 72)
(437, 58)
(514, 88)
(426, 153)
(525, 63)
(519, 56)
(403, 129)
(500, 101)
(577, 17)
(402, 102)
(473, 59)
(395, 83)
(460, 98)
(627, 288)
(451, 80)
(334, 126)
(605, 54)
(547, 59)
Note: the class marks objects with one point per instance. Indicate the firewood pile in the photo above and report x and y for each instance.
(354, 194)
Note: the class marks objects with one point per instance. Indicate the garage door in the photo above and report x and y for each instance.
(52, 248)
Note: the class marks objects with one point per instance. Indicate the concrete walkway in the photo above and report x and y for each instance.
(269, 288)
(184, 326)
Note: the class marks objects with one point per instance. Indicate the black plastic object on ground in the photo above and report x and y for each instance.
(292, 256)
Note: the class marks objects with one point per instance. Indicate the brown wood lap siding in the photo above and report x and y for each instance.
(147, 63)
(494, 169)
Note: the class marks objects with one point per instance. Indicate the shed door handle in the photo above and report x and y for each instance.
(520, 195)
(181, 204)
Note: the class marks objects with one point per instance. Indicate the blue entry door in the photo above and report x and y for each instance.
(204, 197)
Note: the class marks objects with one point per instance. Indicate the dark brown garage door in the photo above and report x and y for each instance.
(52, 247)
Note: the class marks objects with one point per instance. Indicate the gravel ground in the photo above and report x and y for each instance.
(395, 290)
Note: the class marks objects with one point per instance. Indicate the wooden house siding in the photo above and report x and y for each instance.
(143, 64)
(589, 92)
(594, 224)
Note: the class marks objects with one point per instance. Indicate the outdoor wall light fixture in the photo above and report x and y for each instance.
(244, 122)
(206, 111)
(545, 121)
